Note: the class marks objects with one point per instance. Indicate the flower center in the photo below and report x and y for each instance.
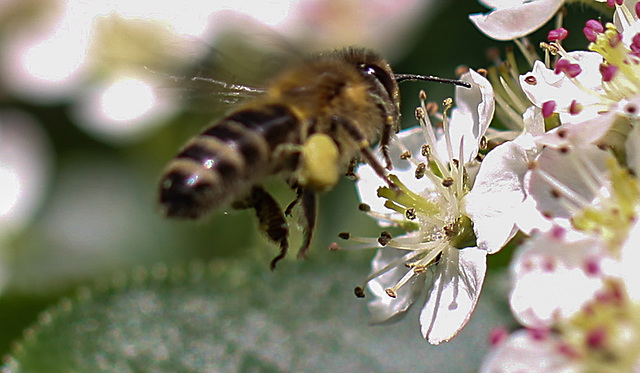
(605, 334)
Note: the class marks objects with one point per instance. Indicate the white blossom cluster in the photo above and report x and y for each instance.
(560, 168)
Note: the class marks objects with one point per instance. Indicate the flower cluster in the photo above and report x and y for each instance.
(561, 168)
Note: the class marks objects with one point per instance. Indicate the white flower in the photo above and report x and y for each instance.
(438, 252)
(575, 184)
(602, 337)
(584, 84)
(554, 274)
(528, 351)
(511, 19)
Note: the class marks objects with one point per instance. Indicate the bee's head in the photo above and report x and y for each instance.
(375, 69)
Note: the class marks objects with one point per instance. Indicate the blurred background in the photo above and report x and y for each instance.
(95, 100)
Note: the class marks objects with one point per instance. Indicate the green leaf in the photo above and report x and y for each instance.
(234, 316)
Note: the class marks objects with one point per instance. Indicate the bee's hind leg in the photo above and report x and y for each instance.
(289, 210)
(309, 204)
(271, 220)
(309, 214)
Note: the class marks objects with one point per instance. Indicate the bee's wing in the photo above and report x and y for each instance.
(237, 69)
(206, 94)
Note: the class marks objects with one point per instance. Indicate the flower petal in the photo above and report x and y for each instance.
(556, 172)
(471, 116)
(543, 85)
(454, 294)
(494, 203)
(513, 22)
(525, 352)
(549, 277)
(384, 307)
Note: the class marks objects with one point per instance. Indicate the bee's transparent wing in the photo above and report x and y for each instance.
(238, 68)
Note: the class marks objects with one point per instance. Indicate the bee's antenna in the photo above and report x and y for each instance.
(407, 77)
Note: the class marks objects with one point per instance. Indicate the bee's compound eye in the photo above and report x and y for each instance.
(184, 195)
(382, 76)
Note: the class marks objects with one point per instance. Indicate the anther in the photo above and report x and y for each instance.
(359, 292)
(425, 150)
(334, 246)
(447, 182)
(405, 155)
(483, 142)
(461, 70)
(483, 72)
(344, 235)
(390, 292)
(451, 229)
(364, 207)
(420, 269)
(575, 107)
(419, 113)
(411, 213)
(422, 96)
(385, 238)
(447, 102)
(420, 170)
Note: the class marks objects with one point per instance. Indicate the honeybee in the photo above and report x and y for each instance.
(308, 126)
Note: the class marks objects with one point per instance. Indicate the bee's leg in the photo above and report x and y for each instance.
(365, 149)
(309, 213)
(351, 171)
(385, 139)
(293, 203)
(271, 220)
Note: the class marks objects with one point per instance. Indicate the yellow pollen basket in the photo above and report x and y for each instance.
(320, 167)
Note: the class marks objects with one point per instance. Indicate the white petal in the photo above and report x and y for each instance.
(549, 277)
(566, 173)
(633, 150)
(630, 257)
(471, 116)
(454, 294)
(517, 21)
(383, 307)
(550, 86)
(495, 199)
(579, 134)
(628, 27)
(533, 121)
(501, 3)
(522, 352)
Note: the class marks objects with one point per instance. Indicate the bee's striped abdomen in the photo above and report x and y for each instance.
(223, 162)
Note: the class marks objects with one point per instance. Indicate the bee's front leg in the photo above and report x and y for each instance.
(365, 148)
